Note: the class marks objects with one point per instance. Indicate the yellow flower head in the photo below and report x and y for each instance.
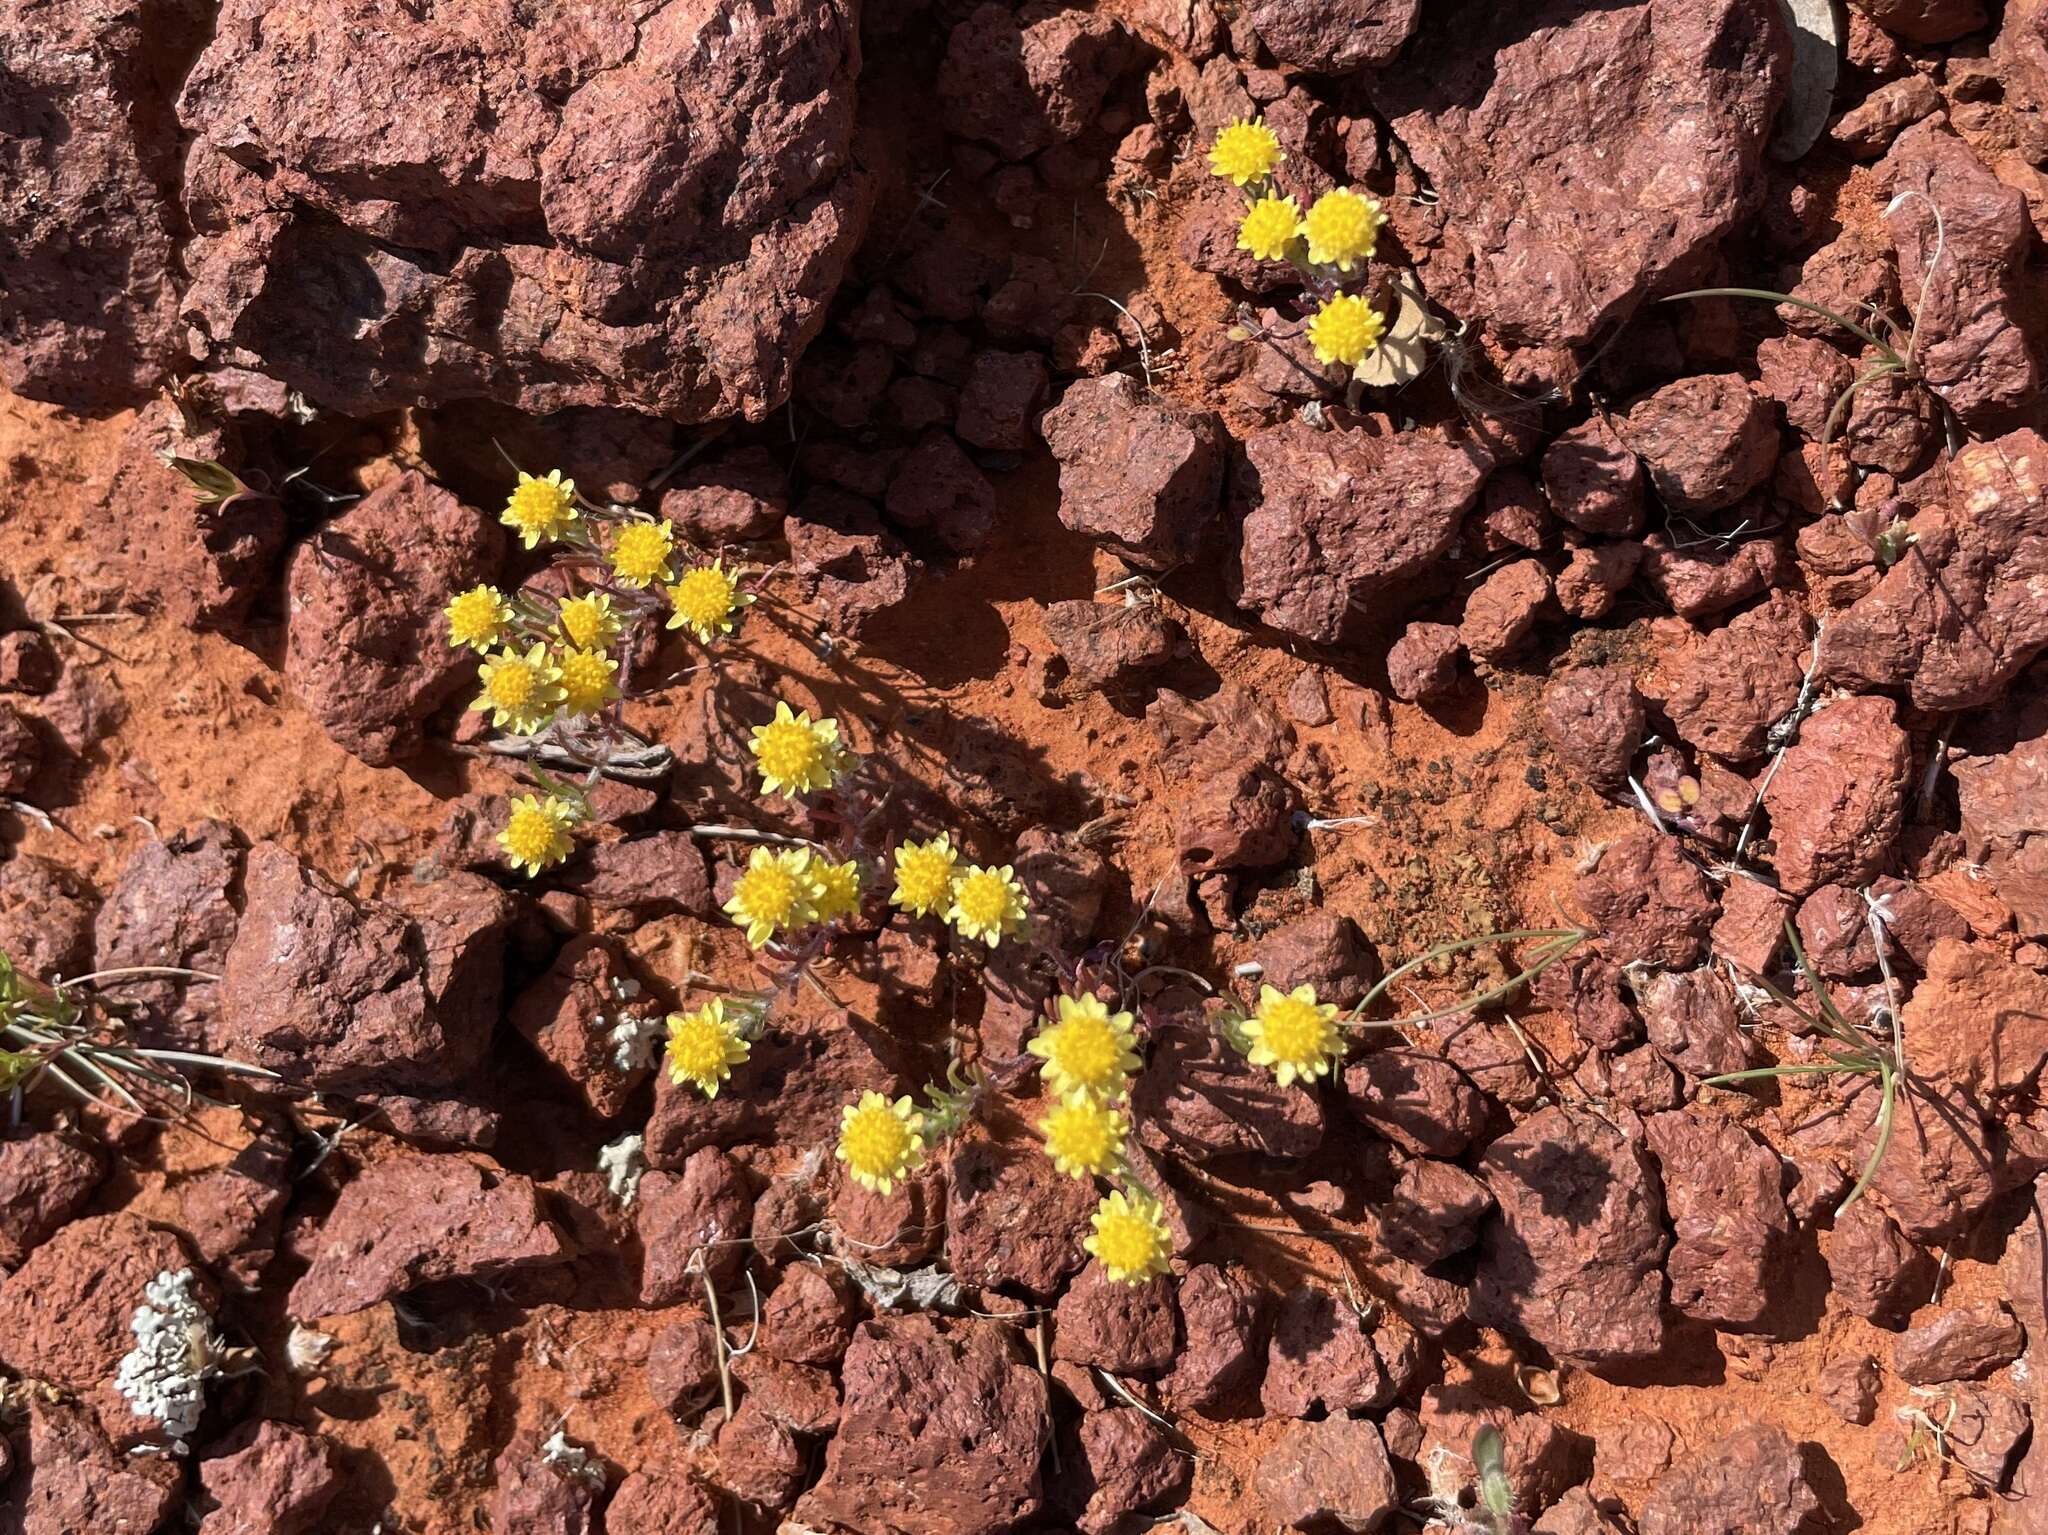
(1270, 226)
(640, 552)
(587, 684)
(880, 1142)
(924, 876)
(1245, 151)
(477, 617)
(536, 834)
(707, 600)
(588, 622)
(520, 693)
(1084, 1136)
(775, 892)
(1294, 1034)
(1131, 1241)
(541, 509)
(839, 887)
(988, 904)
(1088, 1050)
(1342, 228)
(703, 1047)
(796, 753)
(1345, 330)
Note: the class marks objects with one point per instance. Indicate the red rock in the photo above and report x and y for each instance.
(1972, 348)
(667, 1502)
(1125, 1465)
(682, 1367)
(1332, 1471)
(942, 1432)
(173, 905)
(276, 1480)
(759, 1460)
(733, 498)
(1334, 39)
(1986, 1431)
(1423, 662)
(366, 648)
(1588, 989)
(1502, 611)
(1321, 1354)
(569, 1013)
(1955, 620)
(1593, 719)
(73, 1480)
(1730, 1260)
(1433, 1212)
(1138, 475)
(1806, 376)
(1594, 479)
(1648, 903)
(1198, 1099)
(1595, 577)
(343, 995)
(1572, 1258)
(1024, 79)
(1122, 1328)
(414, 176)
(1107, 645)
(1576, 1513)
(1965, 1343)
(854, 569)
(1838, 799)
(1892, 425)
(1513, 514)
(802, 1398)
(1750, 1483)
(1729, 689)
(1012, 1220)
(698, 1218)
(64, 1313)
(21, 751)
(1849, 1386)
(46, 917)
(1323, 950)
(1867, 129)
(89, 217)
(1699, 583)
(412, 1220)
(1419, 1101)
(46, 1176)
(1691, 1020)
(654, 874)
(1873, 1270)
(1553, 226)
(808, 1317)
(1223, 1352)
(1542, 1458)
(1000, 401)
(28, 662)
(1925, 21)
(1340, 518)
(1240, 817)
(845, 383)
(231, 1215)
(535, 1496)
(1942, 1167)
(1983, 1020)
(1707, 441)
(939, 490)
(1642, 1079)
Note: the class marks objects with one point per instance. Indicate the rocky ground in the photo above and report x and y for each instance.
(935, 310)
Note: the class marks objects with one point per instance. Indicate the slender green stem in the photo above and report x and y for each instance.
(1565, 940)
(1797, 303)
(1886, 1114)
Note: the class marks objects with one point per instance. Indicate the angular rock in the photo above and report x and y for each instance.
(1963, 1344)
(1648, 903)
(667, 1502)
(733, 498)
(1849, 1386)
(1026, 78)
(1550, 244)
(1587, 987)
(74, 1480)
(652, 875)
(64, 1313)
(1873, 1270)
(1138, 475)
(1691, 1020)
(1323, 950)
(46, 917)
(1707, 441)
(808, 1317)
(537, 1496)
(698, 1218)
(1011, 1219)
(1334, 39)
(1751, 1482)
(412, 1220)
(1126, 1464)
(1502, 611)
(1423, 662)
(1925, 21)
(1340, 518)
(1542, 1458)
(173, 905)
(277, 1480)
(1322, 1355)
(1433, 1212)
(1238, 817)
(1108, 645)
(46, 1176)
(1421, 1102)
(1572, 1258)
(1223, 1354)
(1725, 1191)
(1594, 479)
(569, 1015)
(1122, 1328)
(1593, 719)
(942, 1432)
(1000, 400)
(1986, 1431)
(1838, 799)
(1699, 583)
(1335, 1471)
(1199, 1099)
(940, 490)
(1979, 1020)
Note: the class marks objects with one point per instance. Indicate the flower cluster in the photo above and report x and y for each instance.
(783, 891)
(1293, 1035)
(986, 904)
(1329, 244)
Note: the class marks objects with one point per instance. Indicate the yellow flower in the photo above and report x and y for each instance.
(588, 622)
(1131, 1241)
(640, 552)
(796, 753)
(924, 875)
(988, 904)
(775, 891)
(477, 617)
(839, 887)
(587, 684)
(703, 1047)
(1089, 1050)
(1345, 330)
(707, 600)
(520, 693)
(1244, 152)
(880, 1142)
(541, 509)
(536, 833)
(1084, 1136)
(1294, 1034)
(1342, 228)
(1269, 227)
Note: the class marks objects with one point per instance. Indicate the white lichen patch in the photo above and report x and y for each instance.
(622, 1162)
(164, 1376)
